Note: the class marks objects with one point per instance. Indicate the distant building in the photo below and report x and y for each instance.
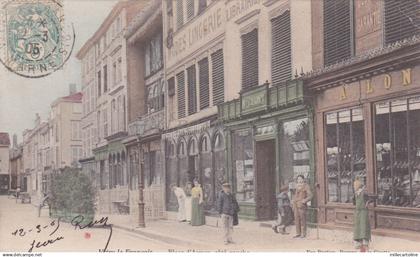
(17, 176)
(4, 163)
(104, 122)
(53, 144)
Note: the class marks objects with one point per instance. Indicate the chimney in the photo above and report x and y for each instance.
(72, 88)
(37, 119)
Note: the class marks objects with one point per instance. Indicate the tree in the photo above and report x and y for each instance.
(72, 194)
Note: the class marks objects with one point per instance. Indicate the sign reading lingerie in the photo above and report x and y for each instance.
(34, 38)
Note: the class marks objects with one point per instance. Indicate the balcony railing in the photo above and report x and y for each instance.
(147, 124)
(262, 98)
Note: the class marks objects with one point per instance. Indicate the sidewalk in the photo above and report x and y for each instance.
(251, 236)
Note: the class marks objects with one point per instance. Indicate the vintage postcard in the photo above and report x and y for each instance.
(221, 126)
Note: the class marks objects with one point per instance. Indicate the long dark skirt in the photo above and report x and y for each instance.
(197, 216)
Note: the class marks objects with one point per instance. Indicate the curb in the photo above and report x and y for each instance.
(162, 238)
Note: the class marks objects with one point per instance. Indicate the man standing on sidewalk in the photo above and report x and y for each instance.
(228, 207)
(302, 196)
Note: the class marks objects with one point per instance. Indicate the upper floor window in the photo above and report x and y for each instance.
(218, 77)
(190, 9)
(179, 13)
(99, 83)
(401, 20)
(337, 31)
(105, 78)
(75, 130)
(281, 58)
(250, 59)
(155, 97)
(153, 55)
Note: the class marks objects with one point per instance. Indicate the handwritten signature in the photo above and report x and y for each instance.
(102, 222)
(77, 222)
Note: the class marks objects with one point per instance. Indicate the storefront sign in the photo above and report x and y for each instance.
(368, 18)
(207, 27)
(201, 29)
(192, 130)
(254, 101)
(387, 81)
(267, 130)
(239, 7)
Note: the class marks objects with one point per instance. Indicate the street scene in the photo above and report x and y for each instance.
(210, 126)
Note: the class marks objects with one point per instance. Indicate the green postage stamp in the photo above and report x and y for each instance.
(34, 39)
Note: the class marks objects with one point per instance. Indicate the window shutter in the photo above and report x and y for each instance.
(203, 66)
(400, 19)
(281, 60)
(218, 76)
(250, 59)
(180, 77)
(179, 14)
(190, 9)
(337, 37)
(192, 92)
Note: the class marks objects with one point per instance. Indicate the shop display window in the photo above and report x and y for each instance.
(294, 150)
(345, 153)
(397, 139)
(243, 155)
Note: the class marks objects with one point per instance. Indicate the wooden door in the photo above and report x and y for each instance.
(265, 180)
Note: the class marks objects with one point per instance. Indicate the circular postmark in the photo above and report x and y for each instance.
(34, 41)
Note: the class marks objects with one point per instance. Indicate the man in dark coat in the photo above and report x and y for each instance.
(228, 208)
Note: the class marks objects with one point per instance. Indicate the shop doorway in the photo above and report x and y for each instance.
(265, 180)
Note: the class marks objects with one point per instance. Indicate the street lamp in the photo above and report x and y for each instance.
(141, 222)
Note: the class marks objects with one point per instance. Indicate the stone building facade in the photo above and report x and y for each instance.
(104, 124)
(365, 87)
(215, 51)
(146, 81)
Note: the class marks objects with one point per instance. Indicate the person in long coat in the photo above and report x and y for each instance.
(197, 215)
(361, 229)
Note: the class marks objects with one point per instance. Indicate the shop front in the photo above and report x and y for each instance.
(368, 127)
(195, 152)
(269, 143)
(112, 177)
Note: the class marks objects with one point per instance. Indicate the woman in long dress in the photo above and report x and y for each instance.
(180, 196)
(197, 216)
(361, 230)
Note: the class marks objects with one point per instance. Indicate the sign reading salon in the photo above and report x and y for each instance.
(376, 86)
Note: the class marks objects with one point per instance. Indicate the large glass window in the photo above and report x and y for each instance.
(345, 153)
(243, 156)
(397, 138)
(294, 150)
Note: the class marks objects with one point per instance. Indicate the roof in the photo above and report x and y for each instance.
(144, 18)
(76, 98)
(4, 138)
(107, 22)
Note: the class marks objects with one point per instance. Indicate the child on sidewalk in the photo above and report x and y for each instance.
(285, 212)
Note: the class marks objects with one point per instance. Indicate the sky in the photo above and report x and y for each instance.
(21, 98)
